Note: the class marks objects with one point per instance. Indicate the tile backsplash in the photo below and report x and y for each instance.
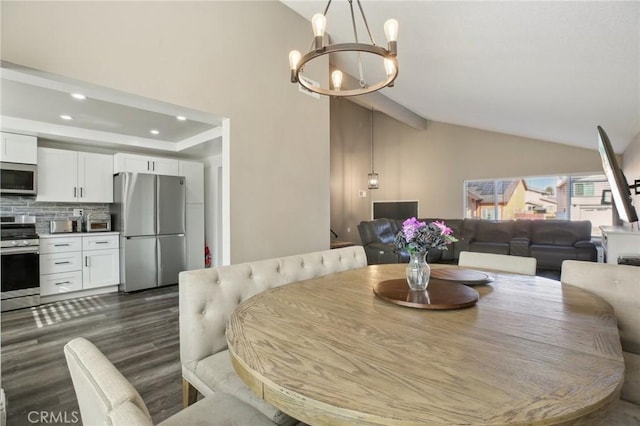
(11, 205)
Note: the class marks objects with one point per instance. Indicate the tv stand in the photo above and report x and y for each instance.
(619, 241)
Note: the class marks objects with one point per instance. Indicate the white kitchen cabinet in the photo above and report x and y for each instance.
(100, 268)
(194, 233)
(55, 263)
(15, 148)
(60, 283)
(193, 171)
(95, 178)
(60, 244)
(73, 176)
(123, 162)
(78, 262)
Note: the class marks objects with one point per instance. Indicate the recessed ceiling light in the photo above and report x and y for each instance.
(66, 117)
(154, 132)
(79, 96)
(181, 117)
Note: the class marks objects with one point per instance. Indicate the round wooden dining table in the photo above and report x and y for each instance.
(531, 351)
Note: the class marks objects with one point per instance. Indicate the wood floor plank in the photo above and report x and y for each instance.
(138, 332)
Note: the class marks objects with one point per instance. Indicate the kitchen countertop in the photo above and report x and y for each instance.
(78, 234)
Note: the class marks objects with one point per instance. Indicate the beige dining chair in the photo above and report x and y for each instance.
(620, 286)
(498, 262)
(106, 397)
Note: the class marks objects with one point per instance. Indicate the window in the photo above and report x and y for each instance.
(583, 189)
(541, 197)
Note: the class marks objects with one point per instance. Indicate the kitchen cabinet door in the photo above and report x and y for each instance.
(193, 172)
(131, 163)
(15, 148)
(164, 166)
(195, 236)
(57, 175)
(123, 162)
(100, 268)
(95, 177)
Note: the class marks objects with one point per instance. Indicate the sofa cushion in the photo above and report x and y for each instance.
(500, 231)
(489, 247)
(559, 232)
(552, 256)
(217, 372)
(377, 231)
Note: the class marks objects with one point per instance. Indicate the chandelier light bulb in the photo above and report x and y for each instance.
(294, 58)
(336, 77)
(319, 24)
(389, 66)
(391, 30)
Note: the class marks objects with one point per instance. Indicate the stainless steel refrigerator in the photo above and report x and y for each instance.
(149, 213)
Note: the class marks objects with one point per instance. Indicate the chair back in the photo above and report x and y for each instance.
(498, 262)
(617, 284)
(104, 395)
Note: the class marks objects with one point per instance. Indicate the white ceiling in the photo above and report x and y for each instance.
(32, 102)
(545, 70)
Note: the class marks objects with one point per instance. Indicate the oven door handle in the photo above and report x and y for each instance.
(18, 250)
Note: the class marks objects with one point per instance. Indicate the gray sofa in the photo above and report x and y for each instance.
(550, 242)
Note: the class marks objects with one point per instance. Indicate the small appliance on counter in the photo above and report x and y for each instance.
(61, 226)
(98, 222)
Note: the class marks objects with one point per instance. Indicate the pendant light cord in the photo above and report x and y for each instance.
(372, 168)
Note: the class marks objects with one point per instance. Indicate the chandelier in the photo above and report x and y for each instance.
(318, 48)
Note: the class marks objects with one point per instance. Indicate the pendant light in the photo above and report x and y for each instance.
(372, 178)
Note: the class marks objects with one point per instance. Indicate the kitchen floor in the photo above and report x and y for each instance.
(138, 332)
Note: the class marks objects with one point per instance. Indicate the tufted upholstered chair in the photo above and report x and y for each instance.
(209, 296)
(498, 262)
(620, 286)
(105, 397)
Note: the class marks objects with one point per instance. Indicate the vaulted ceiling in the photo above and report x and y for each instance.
(550, 70)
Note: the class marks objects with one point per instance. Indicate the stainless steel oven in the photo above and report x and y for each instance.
(18, 179)
(19, 252)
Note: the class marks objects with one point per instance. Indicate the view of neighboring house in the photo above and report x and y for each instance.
(570, 198)
(509, 199)
(584, 198)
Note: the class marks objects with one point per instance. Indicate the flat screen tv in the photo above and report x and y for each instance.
(394, 209)
(619, 185)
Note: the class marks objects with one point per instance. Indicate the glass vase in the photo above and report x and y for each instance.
(418, 271)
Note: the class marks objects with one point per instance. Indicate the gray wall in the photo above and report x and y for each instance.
(226, 58)
(429, 165)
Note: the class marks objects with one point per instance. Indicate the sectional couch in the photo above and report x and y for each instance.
(550, 242)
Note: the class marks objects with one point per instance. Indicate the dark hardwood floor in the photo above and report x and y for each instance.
(138, 332)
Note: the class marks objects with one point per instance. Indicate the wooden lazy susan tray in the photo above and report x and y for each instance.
(439, 294)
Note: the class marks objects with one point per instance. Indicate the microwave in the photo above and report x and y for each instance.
(18, 179)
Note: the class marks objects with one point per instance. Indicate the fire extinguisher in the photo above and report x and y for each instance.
(207, 257)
